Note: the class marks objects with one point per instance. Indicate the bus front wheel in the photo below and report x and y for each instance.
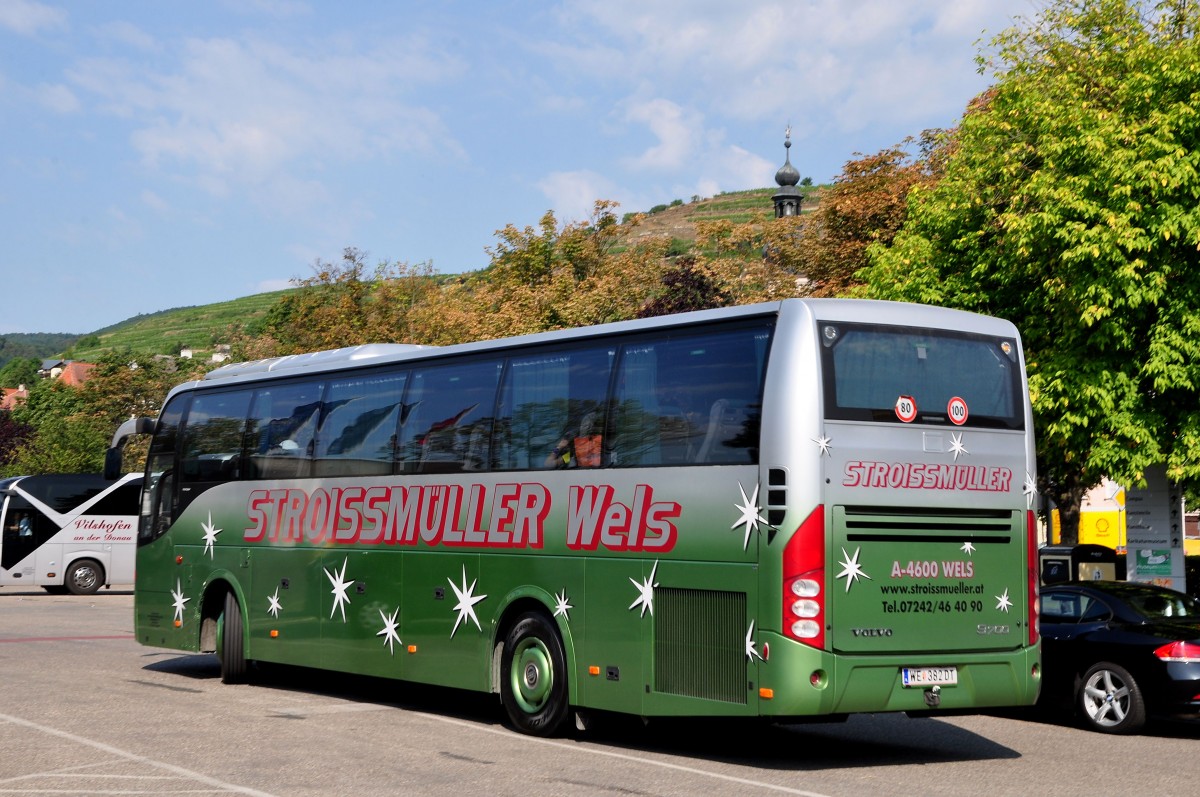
(84, 577)
(533, 676)
(230, 649)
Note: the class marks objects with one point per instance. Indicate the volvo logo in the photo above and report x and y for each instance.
(871, 631)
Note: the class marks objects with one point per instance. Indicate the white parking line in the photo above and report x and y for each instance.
(576, 748)
(220, 785)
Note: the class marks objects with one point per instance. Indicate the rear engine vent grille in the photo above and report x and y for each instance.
(865, 523)
(699, 644)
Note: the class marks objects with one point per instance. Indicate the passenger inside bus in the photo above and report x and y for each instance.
(20, 524)
(580, 450)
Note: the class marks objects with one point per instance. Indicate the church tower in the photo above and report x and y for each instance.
(788, 199)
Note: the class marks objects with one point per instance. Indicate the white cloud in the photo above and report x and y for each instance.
(273, 8)
(270, 285)
(57, 98)
(676, 129)
(154, 201)
(248, 112)
(769, 60)
(573, 195)
(732, 168)
(29, 18)
(129, 35)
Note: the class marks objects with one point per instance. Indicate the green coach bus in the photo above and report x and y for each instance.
(799, 509)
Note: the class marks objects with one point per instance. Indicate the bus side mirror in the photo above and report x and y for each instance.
(112, 464)
(112, 457)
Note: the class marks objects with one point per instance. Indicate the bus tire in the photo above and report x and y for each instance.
(84, 577)
(533, 676)
(230, 645)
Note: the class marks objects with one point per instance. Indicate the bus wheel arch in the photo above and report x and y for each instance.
(84, 576)
(223, 631)
(531, 672)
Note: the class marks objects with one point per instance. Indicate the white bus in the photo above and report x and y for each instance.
(68, 532)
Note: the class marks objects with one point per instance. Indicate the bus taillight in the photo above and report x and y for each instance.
(1031, 555)
(804, 582)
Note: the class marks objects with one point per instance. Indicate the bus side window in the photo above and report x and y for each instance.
(552, 409)
(282, 428)
(211, 452)
(360, 418)
(158, 497)
(691, 399)
(447, 406)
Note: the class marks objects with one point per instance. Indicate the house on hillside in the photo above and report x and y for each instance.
(220, 352)
(71, 372)
(10, 397)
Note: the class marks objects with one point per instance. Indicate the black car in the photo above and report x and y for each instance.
(1120, 651)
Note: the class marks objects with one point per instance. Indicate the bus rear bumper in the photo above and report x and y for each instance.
(799, 681)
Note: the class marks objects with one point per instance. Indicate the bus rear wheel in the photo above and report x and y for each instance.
(230, 646)
(533, 676)
(84, 577)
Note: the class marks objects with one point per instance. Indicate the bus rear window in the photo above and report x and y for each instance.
(916, 375)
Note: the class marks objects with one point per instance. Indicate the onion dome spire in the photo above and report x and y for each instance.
(787, 200)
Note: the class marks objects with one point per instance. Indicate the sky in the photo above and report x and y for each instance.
(156, 154)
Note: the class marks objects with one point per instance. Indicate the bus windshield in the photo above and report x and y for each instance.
(906, 375)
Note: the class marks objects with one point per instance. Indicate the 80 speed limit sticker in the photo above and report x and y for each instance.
(906, 408)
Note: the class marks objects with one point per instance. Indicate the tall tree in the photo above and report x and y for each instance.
(19, 371)
(547, 277)
(13, 434)
(867, 204)
(71, 427)
(1069, 206)
(344, 304)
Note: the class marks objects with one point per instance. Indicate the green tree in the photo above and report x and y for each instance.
(65, 438)
(343, 304)
(13, 434)
(71, 427)
(684, 288)
(867, 204)
(19, 371)
(1069, 206)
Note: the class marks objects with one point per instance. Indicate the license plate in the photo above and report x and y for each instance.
(929, 676)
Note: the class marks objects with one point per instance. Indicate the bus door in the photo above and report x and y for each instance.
(25, 530)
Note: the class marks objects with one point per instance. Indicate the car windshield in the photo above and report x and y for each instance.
(1165, 605)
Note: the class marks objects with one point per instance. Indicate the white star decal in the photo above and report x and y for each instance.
(646, 592)
(273, 607)
(751, 652)
(210, 535)
(561, 606)
(179, 601)
(968, 547)
(824, 443)
(340, 599)
(749, 517)
(1030, 491)
(390, 632)
(956, 446)
(1002, 601)
(851, 569)
(466, 602)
